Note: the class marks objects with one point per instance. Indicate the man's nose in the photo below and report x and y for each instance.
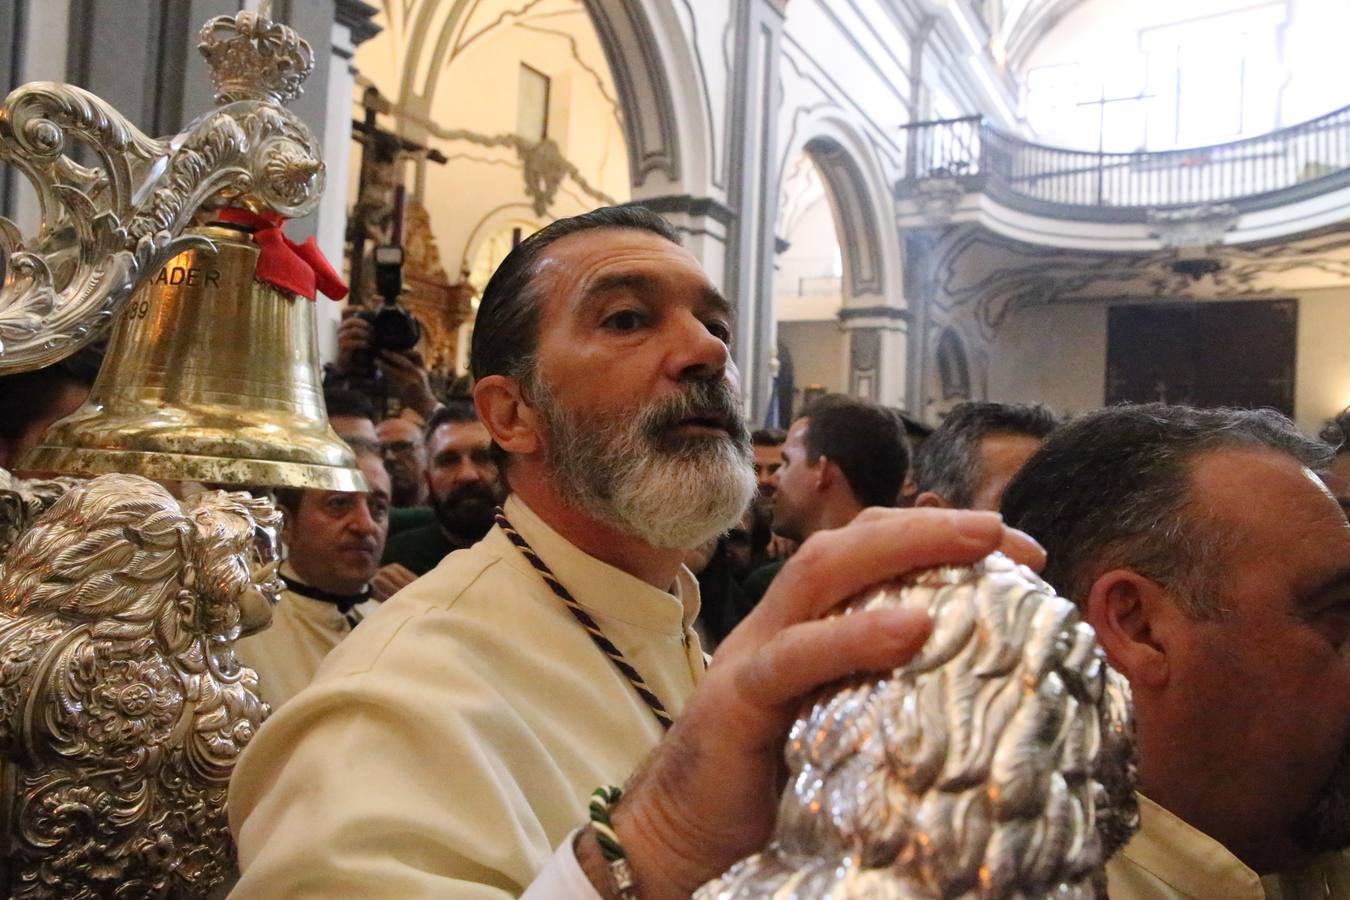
(362, 520)
(467, 473)
(698, 353)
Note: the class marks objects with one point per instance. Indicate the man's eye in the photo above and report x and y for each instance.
(720, 330)
(624, 320)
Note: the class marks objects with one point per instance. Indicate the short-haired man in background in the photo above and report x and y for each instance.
(840, 457)
(969, 459)
(1215, 568)
(333, 544)
(767, 444)
(405, 456)
(464, 488)
(352, 416)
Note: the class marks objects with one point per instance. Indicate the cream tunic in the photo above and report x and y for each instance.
(1169, 860)
(287, 653)
(451, 742)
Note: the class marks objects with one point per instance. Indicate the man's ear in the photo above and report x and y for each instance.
(502, 409)
(1131, 615)
(931, 500)
(826, 473)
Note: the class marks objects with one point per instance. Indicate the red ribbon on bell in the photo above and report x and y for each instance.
(299, 269)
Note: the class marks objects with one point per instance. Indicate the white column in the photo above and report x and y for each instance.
(331, 225)
(877, 353)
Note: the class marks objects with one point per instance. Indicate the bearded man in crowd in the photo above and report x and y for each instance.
(463, 485)
(449, 743)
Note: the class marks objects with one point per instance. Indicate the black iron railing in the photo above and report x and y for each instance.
(981, 157)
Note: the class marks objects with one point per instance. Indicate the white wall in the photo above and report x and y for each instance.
(1322, 379)
(1053, 354)
(817, 350)
(1056, 354)
(807, 276)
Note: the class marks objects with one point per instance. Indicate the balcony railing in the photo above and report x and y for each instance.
(1256, 172)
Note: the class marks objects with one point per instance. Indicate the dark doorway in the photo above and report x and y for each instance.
(1238, 353)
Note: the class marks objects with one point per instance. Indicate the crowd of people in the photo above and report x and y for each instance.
(522, 606)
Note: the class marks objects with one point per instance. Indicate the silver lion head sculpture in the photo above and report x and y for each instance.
(999, 763)
(122, 705)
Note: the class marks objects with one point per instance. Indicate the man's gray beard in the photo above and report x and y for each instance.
(1326, 826)
(632, 473)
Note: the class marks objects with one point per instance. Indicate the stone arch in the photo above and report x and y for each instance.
(661, 92)
(861, 200)
(873, 314)
(660, 86)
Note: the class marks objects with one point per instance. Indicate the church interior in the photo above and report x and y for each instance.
(900, 206)
(1069, 202)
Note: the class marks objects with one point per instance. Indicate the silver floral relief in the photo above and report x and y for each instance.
(999, 763)
(106, 226)
(122, 705)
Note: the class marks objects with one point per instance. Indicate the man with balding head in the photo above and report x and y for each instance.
(1214, 565)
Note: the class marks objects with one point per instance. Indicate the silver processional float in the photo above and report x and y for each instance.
(998, 764)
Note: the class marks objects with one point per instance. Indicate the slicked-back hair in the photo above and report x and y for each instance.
(864, 440)
(767, 437)
(1112, 489)
(948, 461)
(506, 328)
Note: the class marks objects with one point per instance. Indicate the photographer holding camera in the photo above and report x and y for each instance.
(404, 371)
(376, 346)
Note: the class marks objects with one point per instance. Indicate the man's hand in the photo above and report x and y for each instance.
(409, 379)
(353, 338)
(707, 795)
(391, 579)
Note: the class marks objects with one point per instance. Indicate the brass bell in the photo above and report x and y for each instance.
(210, 376)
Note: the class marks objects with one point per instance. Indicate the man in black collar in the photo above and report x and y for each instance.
(464, 489)
(334, 541)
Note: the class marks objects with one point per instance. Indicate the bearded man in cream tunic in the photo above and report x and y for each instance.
(451, 742)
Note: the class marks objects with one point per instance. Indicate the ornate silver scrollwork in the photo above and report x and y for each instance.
(122, 705)
(997, 764)
(105, 227)
(21, 502)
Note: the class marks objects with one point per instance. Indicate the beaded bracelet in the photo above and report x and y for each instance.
(620, 873)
